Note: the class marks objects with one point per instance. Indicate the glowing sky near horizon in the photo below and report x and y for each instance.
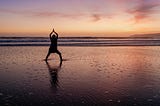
(80, 17)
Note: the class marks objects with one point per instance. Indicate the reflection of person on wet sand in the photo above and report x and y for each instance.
(53, 46)
(53, 71)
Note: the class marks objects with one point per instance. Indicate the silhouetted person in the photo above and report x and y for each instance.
(53, 46)
(53, 71)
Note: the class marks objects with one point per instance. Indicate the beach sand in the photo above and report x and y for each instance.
(88, 76)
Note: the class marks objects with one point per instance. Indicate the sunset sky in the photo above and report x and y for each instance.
(79, 17)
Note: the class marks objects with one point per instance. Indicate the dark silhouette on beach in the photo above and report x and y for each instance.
(53, 71)
(53, 45)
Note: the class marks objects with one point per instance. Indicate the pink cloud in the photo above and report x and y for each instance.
(46, 14)
(41, 14)
(143, 11)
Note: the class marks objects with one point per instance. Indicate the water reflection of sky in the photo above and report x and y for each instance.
(90, 75)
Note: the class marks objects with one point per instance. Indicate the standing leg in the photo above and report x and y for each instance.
(47, 56)
(59, 53)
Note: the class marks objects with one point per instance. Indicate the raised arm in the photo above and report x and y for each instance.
(50, 35)
(55, 32)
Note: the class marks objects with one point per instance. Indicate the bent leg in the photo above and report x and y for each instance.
(59, 53)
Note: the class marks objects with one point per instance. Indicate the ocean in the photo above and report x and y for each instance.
(95, 71)
(79, 41)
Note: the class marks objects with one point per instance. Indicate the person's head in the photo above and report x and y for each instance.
(53, 36)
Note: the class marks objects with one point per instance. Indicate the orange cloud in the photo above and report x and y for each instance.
(96, 17)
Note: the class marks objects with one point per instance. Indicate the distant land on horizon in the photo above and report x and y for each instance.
(151, 35)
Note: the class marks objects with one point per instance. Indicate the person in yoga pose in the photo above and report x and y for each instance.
(53, 45)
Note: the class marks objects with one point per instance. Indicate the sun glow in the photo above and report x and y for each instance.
(97, 18)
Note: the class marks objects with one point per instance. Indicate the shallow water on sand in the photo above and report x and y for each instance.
(87, 76)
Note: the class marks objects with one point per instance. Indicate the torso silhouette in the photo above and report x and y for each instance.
(53, 46)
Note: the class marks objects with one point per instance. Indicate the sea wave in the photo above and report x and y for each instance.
(78, 41)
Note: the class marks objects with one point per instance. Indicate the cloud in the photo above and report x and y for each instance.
(10, 11)
(44, 14)
(96, 17)
(143, 10)
(41, 14)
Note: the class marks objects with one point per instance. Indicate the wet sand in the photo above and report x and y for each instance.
(88, 76)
